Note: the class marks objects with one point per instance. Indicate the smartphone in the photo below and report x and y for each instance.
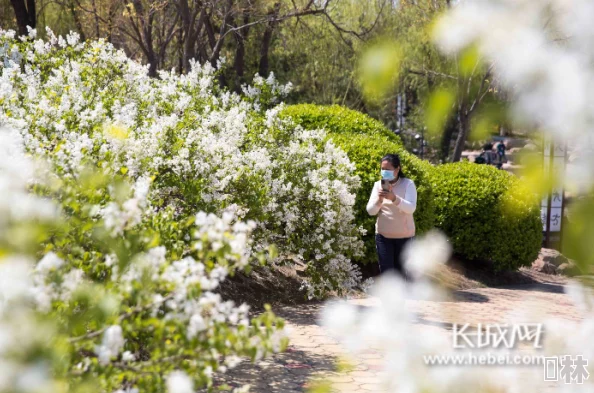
(385, 185)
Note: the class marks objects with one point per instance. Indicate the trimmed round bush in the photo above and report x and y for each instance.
(338, 120)
(366, 141)
(488, 214)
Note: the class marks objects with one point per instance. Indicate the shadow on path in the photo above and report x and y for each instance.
(290, 371)
(538, 287)
(304, 314)
(443, 325)
(470, 297)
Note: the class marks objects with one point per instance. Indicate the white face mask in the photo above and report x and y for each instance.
(387, 174)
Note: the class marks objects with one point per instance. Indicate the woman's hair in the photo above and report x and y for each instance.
(394, 159)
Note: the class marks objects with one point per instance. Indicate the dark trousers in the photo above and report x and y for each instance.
(389, 252)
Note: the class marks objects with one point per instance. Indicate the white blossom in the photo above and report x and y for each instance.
(111, 345)
(197, 324)
(541, 51)
(179, 382)
(128, 356)
(425, 254)
(15, 280)
(49, 262)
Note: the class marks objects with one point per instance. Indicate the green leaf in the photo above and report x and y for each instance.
(440, 106)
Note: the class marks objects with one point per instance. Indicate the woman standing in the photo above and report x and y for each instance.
(394, 200)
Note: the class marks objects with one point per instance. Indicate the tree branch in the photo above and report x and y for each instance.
(479, 97)
(425, 72)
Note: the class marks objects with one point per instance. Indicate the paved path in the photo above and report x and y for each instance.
(312, 354)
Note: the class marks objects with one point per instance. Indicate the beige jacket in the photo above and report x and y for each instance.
(394, 220)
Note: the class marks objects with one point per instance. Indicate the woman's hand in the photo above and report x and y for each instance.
(386, 194)
(381, 194)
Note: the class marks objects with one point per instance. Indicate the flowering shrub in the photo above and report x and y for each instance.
(138, 197)
(199, 148)
(109, 310)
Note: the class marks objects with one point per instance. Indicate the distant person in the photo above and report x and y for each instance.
(394, 200)
(487, 156)
(501, 154)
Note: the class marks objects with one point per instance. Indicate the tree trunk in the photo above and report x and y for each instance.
(181, 53)
(96, 12)
(152, 60)
(190, 32)
(463, 129)
(218, 46)
(32, 13)
(239, 61)
(446, 140)
(264, 64)
(110, 24)
(77, 22)
(24, 10)
(263, 68)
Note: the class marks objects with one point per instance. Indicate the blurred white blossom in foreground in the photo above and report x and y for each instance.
(541, 51)
(405, 340)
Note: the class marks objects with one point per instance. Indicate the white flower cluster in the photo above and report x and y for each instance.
(21, 333)
(22, 336)
(260, 84)
(129, 214)
(211, 146)
(16, 174)
(184, 276)
(15, 280)
(97, 108)
(111, 345)
(216, 232)
(179, 382)
(46, 289)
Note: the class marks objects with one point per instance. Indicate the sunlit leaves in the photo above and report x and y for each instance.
(486, 121)
(578, 232)
(440, 105)
(378, 69)
(469, 61)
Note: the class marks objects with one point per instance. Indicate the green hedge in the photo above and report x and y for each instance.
(488, 214)
(338, 120)
(366, 141)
